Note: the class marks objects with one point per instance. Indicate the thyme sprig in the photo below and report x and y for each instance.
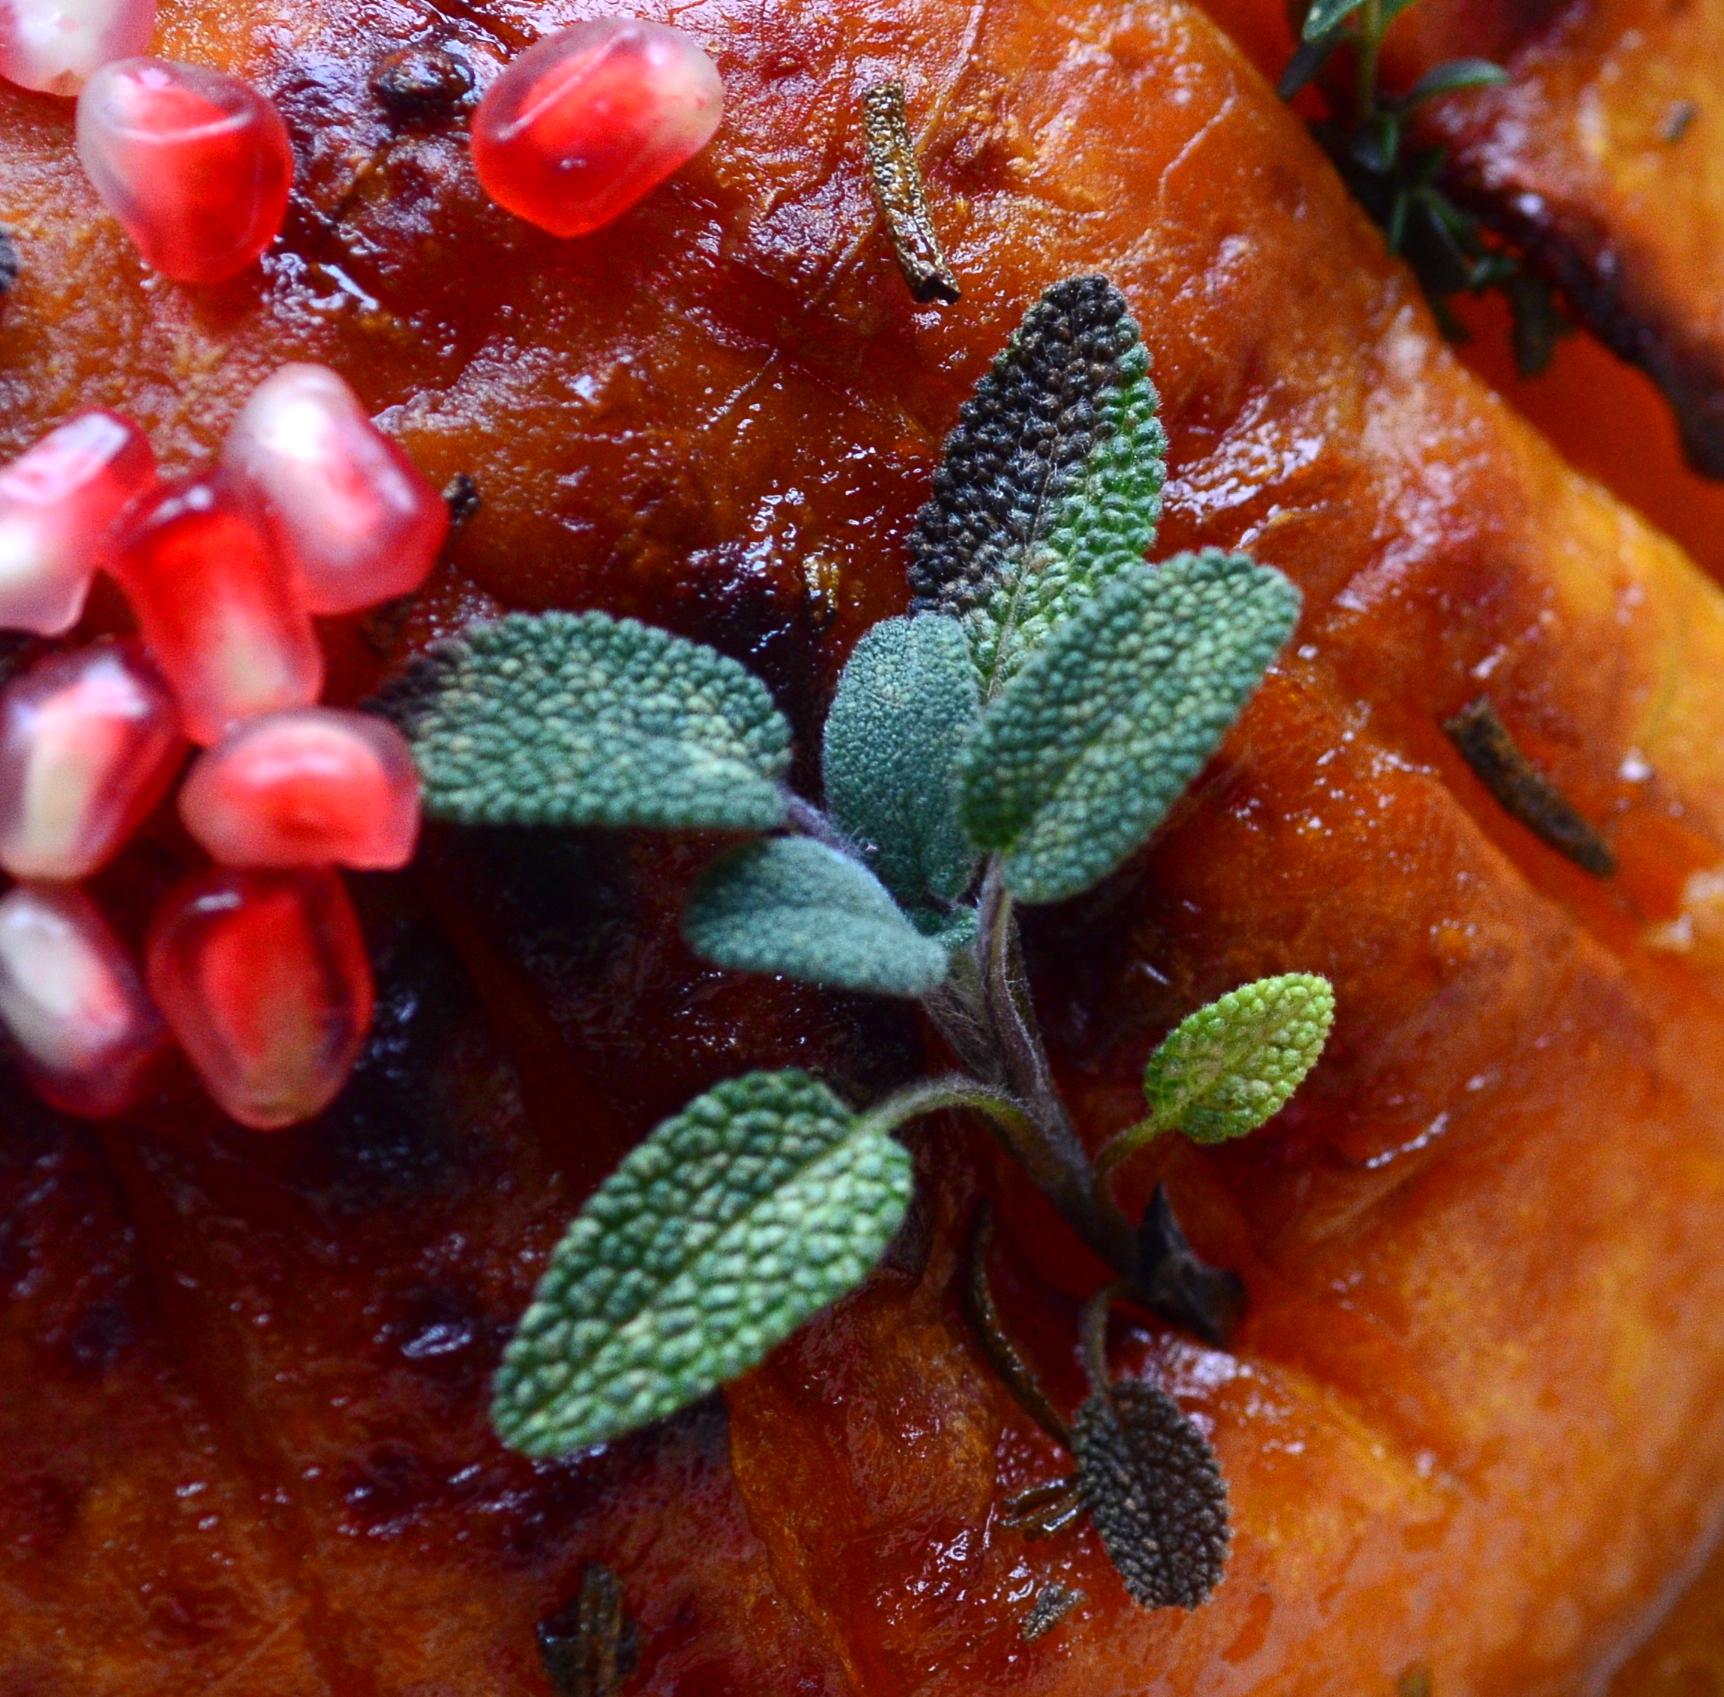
(1366, 133)
(1012, 742)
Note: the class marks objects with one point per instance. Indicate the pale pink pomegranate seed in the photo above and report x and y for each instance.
(52, 46)
(319, 787)
(194, 163)
(58, 504)
(264, 980)
(73, 1003)
(218, 608)
(354, 515)
(584, 123)
(89, 742)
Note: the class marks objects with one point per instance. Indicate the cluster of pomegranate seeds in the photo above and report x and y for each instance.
(584, 123)
(194, 163)
(257, 967)
(54, 46)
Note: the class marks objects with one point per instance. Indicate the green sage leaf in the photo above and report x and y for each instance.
(1226, 1069)
(1325, 15)
(736, 1221)
(1051, 483)
(1108, 722)
(1452, 78)
(563, 719)
(791, 905)
(906, 704)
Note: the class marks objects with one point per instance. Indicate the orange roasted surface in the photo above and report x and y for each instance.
(1471, 1426)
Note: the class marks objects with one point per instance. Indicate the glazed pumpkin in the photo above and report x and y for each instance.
(1469, 1422)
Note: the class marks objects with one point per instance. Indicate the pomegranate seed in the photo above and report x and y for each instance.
(89, 742)
(58, 502)
(264, 980)
(194, 163)
(587, 121)
(315, 788)
(71, 999)
(354, 515)
(218, 608)
(53, 45)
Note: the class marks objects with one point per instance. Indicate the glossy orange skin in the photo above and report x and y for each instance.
(1471, 1422)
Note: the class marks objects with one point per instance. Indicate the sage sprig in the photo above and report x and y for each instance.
(1014, 741)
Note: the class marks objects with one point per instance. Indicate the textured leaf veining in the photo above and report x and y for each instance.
(1226, 1069)
(791, 905)
(736, 1221)
(1101, 732)
(906, 704)
(1051, 483)
(562, 719)
(1151, 1481)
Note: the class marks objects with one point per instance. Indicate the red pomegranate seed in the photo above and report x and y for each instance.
(315, 788)
(354, 515)
(587, 121)
(72, 1001)
(218, 608)
(53, 45)
(264, 980)
(195, 164)
(89, 742)
(58, 502)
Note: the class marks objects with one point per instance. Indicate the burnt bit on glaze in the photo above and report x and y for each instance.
(1678, 120)
(1053, 1603)
(420, 83)
(1180, 1285)
(461, 496)
(10, 262)
(590, 1646)
(1524, 792)
(899, 193)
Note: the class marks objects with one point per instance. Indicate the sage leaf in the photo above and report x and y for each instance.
(1051, 483)
(907, 702)
(733, 1223)
(794, 906)
(1231, 1066)
(1152, 1484)
(1452, 78)
(1325, 15)
(1109, 721)
(561, 719)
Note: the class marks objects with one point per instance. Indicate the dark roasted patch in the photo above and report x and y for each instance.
(422, 82)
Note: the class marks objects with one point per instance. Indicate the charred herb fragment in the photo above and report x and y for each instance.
(590, 1647)
(901, 197)
(1174, 1281)
(10, 263)
(1679, 119)
(1523, 791)
(421, 82)
(461, 496)
(1053, 1603)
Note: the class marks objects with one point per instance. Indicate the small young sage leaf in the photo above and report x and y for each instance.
(1152, 1484)
(736, 1221)
(794, 906)
(1051, 483)
(1231, 1066)
(1109, 721)
(907, 702)
(562, 719)
(1325, 15)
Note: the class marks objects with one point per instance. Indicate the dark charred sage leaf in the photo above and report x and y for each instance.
(1053, 1603)
(1524, 792)
(901, 198)
(1154, 1488)
(590, 1647)
(1178, 1284)
(1051, 483)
